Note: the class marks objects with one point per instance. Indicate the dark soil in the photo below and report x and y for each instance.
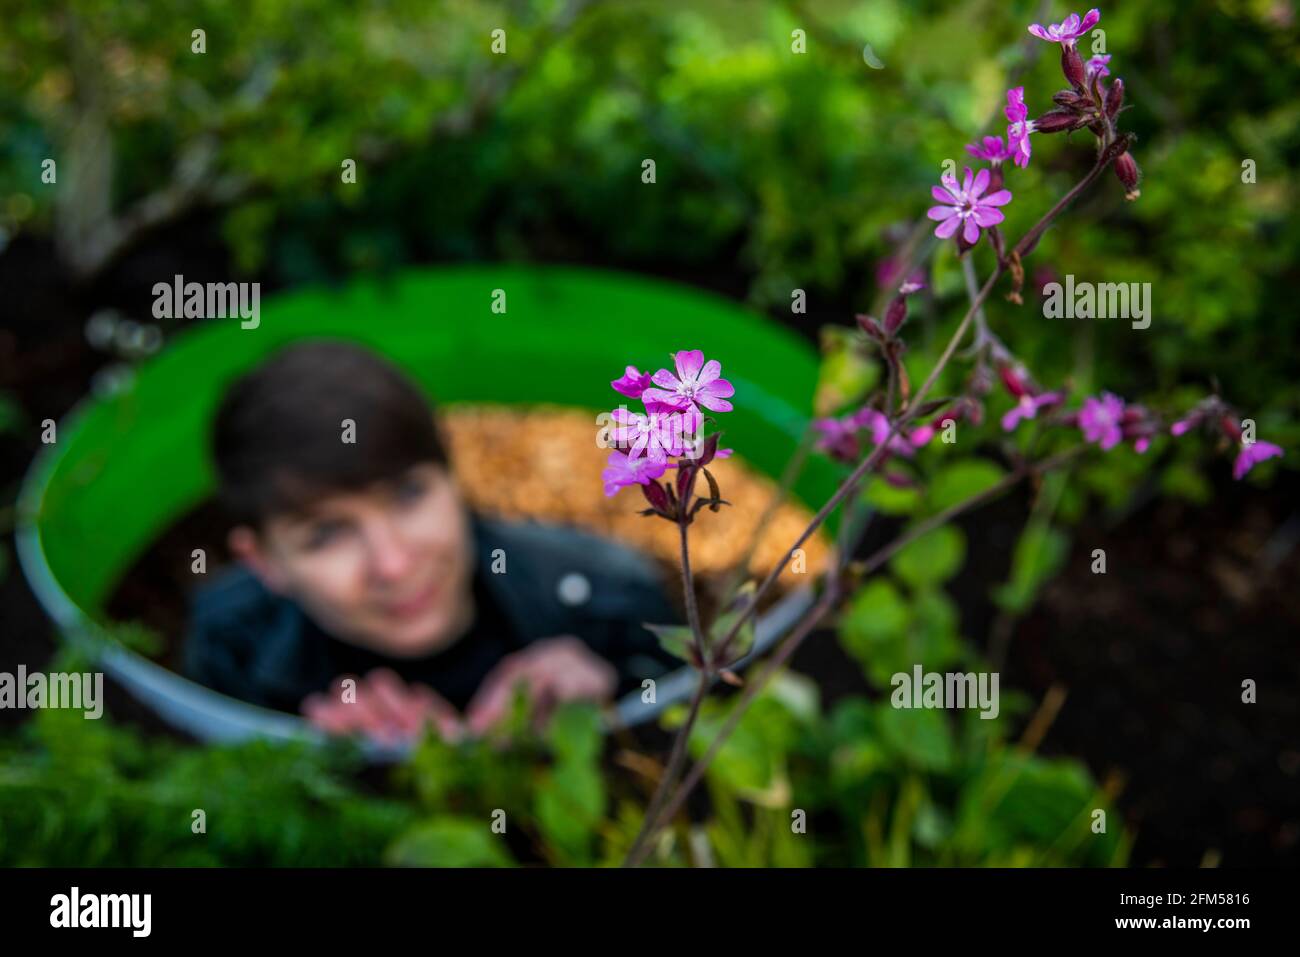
(1152, 654)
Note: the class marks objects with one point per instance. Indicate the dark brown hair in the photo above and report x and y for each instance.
(277, 441)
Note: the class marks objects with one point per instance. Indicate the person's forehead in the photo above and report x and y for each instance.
(344, 502)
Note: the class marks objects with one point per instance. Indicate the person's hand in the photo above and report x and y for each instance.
(553, 670)
(385, 708)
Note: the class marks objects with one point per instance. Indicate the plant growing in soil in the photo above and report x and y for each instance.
(897, 420)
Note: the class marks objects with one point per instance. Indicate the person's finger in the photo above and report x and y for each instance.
(577, 673)
(341, 715)
(325, 714)
(394, 700)
(338, 717)
(438, 710)
(370, 715)
(493, 698)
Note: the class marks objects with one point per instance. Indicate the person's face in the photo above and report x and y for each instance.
(389, 568)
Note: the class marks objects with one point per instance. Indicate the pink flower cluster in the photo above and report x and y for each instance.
(970, 208)
(841, 438)
(670, 427)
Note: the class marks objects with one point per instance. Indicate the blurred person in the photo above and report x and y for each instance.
(361, 560)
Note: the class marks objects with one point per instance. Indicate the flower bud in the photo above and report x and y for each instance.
(1014, 380)
(710, 448)
(1118, 146)
(995, 179)
(895, 315)
(871, 327)
(1071, 100)
(1072, 66)
(1230, 428)
(1059, 121)
(1126, 168)
(685, 482)
(1114, 98)
(657, 497)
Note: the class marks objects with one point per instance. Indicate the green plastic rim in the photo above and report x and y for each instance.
(128, 465)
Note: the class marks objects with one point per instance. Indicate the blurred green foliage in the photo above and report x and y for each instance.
(876, 785)
(780, 169)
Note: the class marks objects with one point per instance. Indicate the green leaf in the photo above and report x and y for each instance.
(890, 499)
(960, 481)
(744, 640)
(1039, 555)
(449, 842)
(570, 804)
(575, 733)
(932, 559)
(920, 736)
(674, 639)
(876, 614)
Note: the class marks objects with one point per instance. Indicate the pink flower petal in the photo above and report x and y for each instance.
(1000, 198)
(719, 387)
(941, 212)
(947, 227)
(689, 362)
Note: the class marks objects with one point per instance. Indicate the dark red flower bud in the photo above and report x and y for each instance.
(1230, 428)
(657, 497)
(685, 481)
(1059, 121)
(1119, 146)
(1072, 67)
(1071, 100)
(1014, 383)
(872, 328)
(1114, 98)
(1126, 168)
(895, 315)
(710, 449)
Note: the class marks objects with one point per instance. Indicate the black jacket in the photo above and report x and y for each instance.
(252, 644)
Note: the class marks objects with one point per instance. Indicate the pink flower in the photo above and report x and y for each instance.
(622, 470)
(966, 206)
(877, 423)
(633, 383)
(1068, 30)
(921, 435)
(1027, 407)
(1251, 454)
(840, 437)
(696, 384)
(1100, 420)
(990, 149)
(1097, 66)
(1020, 126)
(656, 435)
